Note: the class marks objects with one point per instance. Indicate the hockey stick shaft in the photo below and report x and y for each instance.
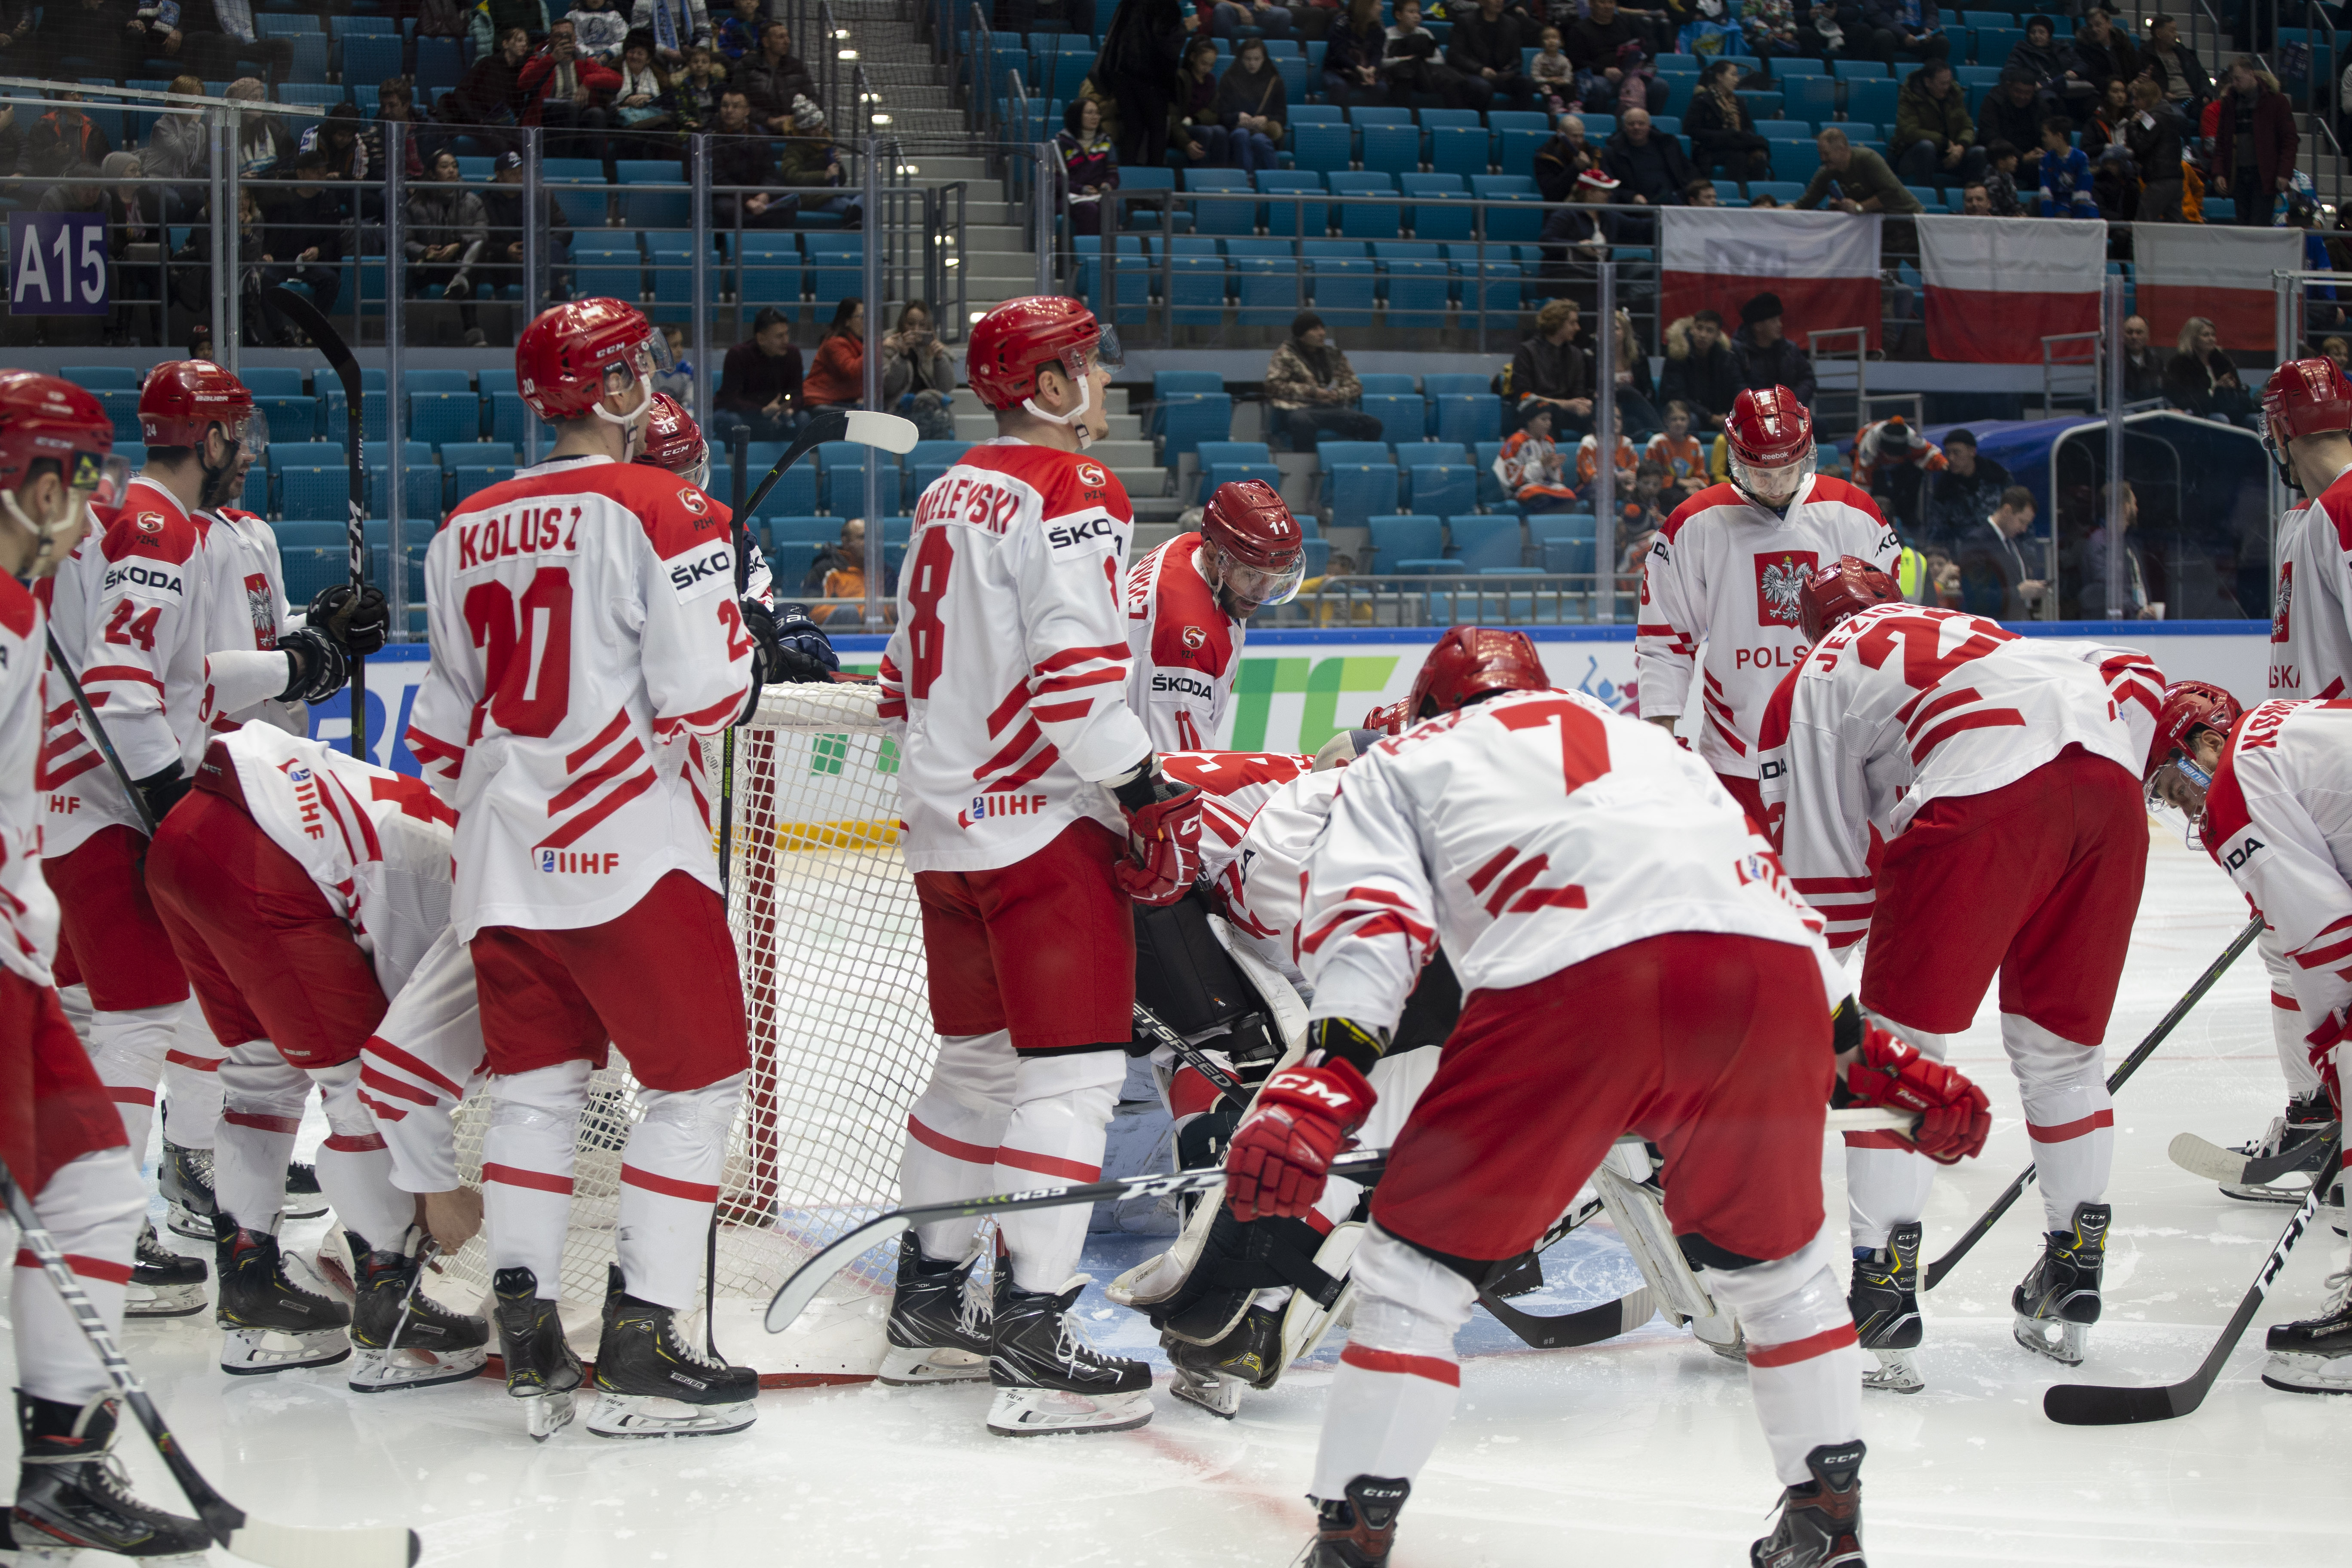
(742, 454)
(2091, 1404)
(1227, 1085)
(2164, 1027)
(98, 735)
(330, 343)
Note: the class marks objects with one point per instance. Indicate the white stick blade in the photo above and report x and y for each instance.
(2201, 1158)
(887, 431)
(793, 1298)
(295, 1546)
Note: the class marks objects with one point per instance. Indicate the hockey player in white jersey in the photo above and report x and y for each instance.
(1999, 772)
(586, 633)
(1034, 811)
(1726, 571)
(2272, 790)
(59, 1135)
(1632, 960)
(1189, 604)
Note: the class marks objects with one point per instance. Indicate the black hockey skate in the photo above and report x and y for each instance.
(2058, 1299)
(1884, 1301)
(655, 1382)
(2314, 1356)
(1047, 1377)
(73, 1496)
(1211, 1377)
(542, 1370)
(184, 1176)
(939, 1325)
(303, 1198)
(407, 1339)
(1357, 1531)
(163, 1283)
(2300, 1137)
(271, 1323)
(1821, 1523)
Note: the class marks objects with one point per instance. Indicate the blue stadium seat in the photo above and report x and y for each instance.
(1456, 383)
(1196, 290)
(1371, 220)
(1420, 293)
(305, 454)
(1480, 542)
(1791, 159)
(1235, 473)
(314, 491)
(1221, 216)
(1810, 98)
(1874, 102)
(1356, 491)
(1203, 417)
(1468, 420)
(1464, 150)
(437, 417)
(1785, 65)
(414, 381)
(1438, 220)
(290, 418)
(1345, 289)
(1858, 70)
(1392, 149)
(1419, 454)
(508, 415)
(794, 495)
(1406, 536)
(1567, 556)
(1304, 219)
(105, 377)
(1441, 488)
(373, 57)
(1519, 149)
(1324, 149)
(271, 381)
(1403, 417)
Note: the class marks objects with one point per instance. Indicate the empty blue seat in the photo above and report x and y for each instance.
(1392, 149)
(1853, 71)
(1464, 150)
(1377, 220)
(1481, 542)
(1468, 419)
(1221, 216)
(1189, 421)
(1874, 102)
(1401, 537)
(1441, 488)
(1356, 491)
(1810, 98)
(290, 418)
(1345, 291)
(1307, 219)
(1323, 148)
(1419, 294)
(438, 416)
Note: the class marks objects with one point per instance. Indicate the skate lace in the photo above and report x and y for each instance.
(105, 1473)
(1071, 1345)
(687, 1349)
(971, 1313)
(2339, 1291)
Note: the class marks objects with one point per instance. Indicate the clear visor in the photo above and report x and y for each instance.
(250, 431)
(1774, 487)
(698, 472)
(636, 366)
(1260, 587)
(1105, 354)
(100, 478)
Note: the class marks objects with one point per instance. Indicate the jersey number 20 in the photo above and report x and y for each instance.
(527, 661)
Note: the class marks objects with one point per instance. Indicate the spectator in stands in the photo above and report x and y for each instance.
(1194, 130)
(62, 138)
(1771, 27)
(1701, 193)
(1089, 163)
(1252, 106)
(2000, 180)
(313, 228)
(809, 161)
(262, 140)
(698, 88)
(1996, 579)
(1411, 71)
(569, 94)
(1632, 562)
(837, 379)
(491, 20)
(678, 28)
(1588, 463)
(447, 231)
(1767, 357)
(1680, 456)
(2050, 66)
(1935, 137)
(1137, 70)
(2114, 178)
(502, 206)
(760, 383)
(2254, 141)
(1831, 32)
(601, 31)
(1976, 200)
(1532, 470)
(215, 38)
(738, 34)
(2156, 135)
(2013, 112)
(2175, 69)
(1550, 370)
(1560, 161)
(1964, 492)
(1892, 461)
(2338, 350)
(99, 32)
(2103, 52)
(644, 102)
(1310, 386)
(1230, 16)
(774, 77)
(1912, 29)
(918, 375)
(491, 95)
(1607, 46)
(1580, 231)
(175, 151)
(2134, 605)
(839, 571)
(1703, 371)
(19, 54)
(1484, 47)
(2202, 380)
(1650, 169)
(1637, 394)
(1352, 52)
(742, 158)
(1860, 177)
(1645, 511)
(2065, 173)
(396, 100)
(1553, 73)
(2143, 370)
(1722, 129)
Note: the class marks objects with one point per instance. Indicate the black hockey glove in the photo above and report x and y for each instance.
(796, 630)
(316, 668)
(777, 655)
(1344, 1039)
(161, 791)
(357, 619)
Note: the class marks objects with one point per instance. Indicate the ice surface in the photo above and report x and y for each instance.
(1643, 1450)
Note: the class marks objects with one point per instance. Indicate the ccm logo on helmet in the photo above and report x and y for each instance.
(2241, 854)
(1071, 533)
(716, 562)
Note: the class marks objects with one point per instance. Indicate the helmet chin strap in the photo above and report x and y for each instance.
(45, 535)
(633, 424)
(1086, 400)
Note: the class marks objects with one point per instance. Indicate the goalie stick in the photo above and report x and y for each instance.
(254, 1540)
(98, 737)
(1227, 1085)
(1935, 1272)
(298, 309)
(2093, 1405)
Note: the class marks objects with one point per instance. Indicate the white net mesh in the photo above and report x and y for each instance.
(826, 927)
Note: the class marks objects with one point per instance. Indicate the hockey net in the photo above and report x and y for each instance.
(828, 935)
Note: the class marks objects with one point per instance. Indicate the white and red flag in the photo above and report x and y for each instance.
(1997, 286)
(1822, 265)
(2186, 269)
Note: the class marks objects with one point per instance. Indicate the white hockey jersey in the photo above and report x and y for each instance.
(1901, 705)
(1726, 573)
(1009, 665)
(2132, 680)
(1264, 886)
(1528, 833)
(2311, 603)
(2278, 819)
(1187, 650)
(28, 910)
(1232, 785)
(585, 632)
(376, 843)
(245, 615)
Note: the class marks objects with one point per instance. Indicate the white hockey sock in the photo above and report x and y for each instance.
(426, 1057)
(1061, 1111)
(91, 1209)
(128, 1050)
(262, 1100)
(2287, 1027)
(526, 1168)
(1884, 1188)
(192, 1085)
(1399, 1378)
(669, 1184)
(74, 1000)
(2068, 1115)
(1804, 1368)
(354, 1166)
(952, 1133)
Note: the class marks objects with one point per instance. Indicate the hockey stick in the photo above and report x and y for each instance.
(2235, 1167)
(98, 737)
(256, 1540)
(330, 343)
(2092, 1404)
(1227, 1085)
(1935, 1271)
(862, 425)
(798, 1290)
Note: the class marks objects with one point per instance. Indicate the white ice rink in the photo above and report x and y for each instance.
(1643, 1450)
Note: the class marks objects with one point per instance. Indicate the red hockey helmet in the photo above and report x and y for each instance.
(1469, 662)
(1846, 586)
(2188, 707)
(575, 356)
(44, 416)
(182, 399)
(2304, 397)
(1771, 439)
(1264, 552)
(673, 441)
(1010, 343)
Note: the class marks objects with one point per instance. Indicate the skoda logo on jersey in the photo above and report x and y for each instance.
(1195, 639)
(1092, 476)
(1071, 533)
(2241, 854)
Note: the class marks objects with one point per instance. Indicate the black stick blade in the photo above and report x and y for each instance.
(2089, 1404)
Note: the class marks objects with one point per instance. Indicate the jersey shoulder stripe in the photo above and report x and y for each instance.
(677, 517)
(1830, 488)
(1706, 501)
(1064, 482)
(1188, 629)
(150, 528)
(18, 610)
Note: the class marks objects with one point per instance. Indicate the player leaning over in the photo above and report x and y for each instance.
(1632, 962)
(1189, 604)
(1999, 772)
(585, 634)
(2273, 789)
(1034, 810)
(1726, 571)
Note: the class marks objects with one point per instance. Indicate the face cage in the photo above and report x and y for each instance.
(1762, 485)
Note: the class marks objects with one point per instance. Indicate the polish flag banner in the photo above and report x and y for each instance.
(1823, 266)
(1997, 286)
(2185, 270)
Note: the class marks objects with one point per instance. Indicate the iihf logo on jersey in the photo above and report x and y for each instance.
(570, 862)
(987, 805)
(1779, 583)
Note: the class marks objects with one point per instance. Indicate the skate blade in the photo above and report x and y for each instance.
(164, 1301)
(1039, 1412)
(380, 1372)
(2269, 1194)
(544, 1414)
(916, 1368)
(188, 1223)
(2061, 1342)
(256, 1353)
(652, 1415)
(2291, 1373)
(1897, 1373)
(307, 1207)
(51, 1551)
(1220, 1397)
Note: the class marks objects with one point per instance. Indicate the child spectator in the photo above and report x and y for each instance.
(1678, 452)
(1553, 72)
(1645, 510)
(2000, 181)
(697, 90)
(1588, 463)
(1532, 469)
(2065, 173)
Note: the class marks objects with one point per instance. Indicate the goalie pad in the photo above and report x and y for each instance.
(1235, 1262)
(1185, 975)
(1638, 1210)
(1306, 1320)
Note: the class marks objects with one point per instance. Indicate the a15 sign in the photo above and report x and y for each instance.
(57, 263)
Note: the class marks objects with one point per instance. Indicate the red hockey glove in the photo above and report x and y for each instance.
(1164, 847)
(2324, 1042)
(1391, 718)
(1955, 1117)
(1283, 1149)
